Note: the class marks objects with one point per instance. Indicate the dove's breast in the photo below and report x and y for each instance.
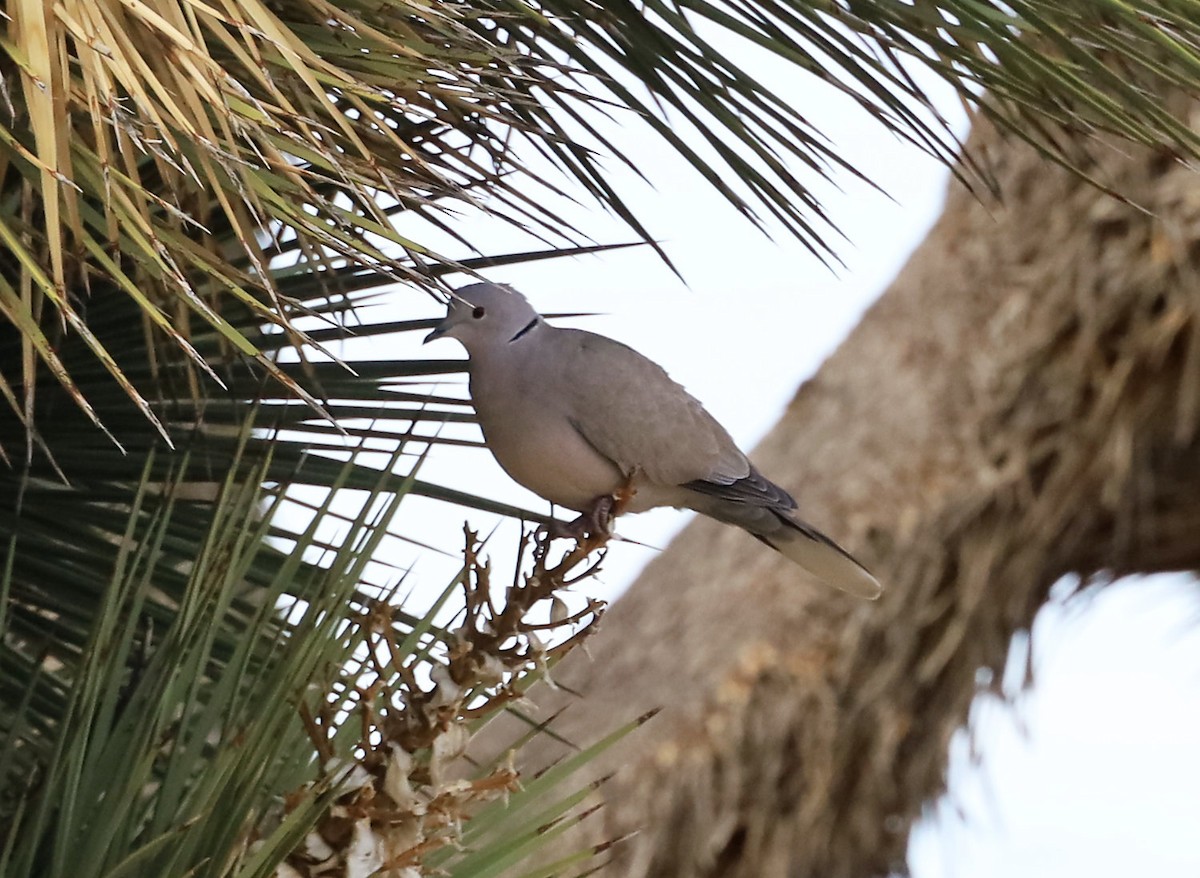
(536, 442)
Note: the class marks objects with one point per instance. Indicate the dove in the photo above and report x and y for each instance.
(580, 419)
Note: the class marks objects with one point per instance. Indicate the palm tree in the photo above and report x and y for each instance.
(1019, 407)
(199, 204)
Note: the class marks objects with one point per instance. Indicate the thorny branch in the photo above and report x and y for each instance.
(419, 694)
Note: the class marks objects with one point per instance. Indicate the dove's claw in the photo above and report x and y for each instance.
(599, 517)
(594, 524)
(557, 530)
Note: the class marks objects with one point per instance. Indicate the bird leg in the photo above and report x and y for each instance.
(600, 516)
(596, 520)
(624, 495)
(595, 525)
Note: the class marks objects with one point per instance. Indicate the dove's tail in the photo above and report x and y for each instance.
(766, 511)
(821, 557)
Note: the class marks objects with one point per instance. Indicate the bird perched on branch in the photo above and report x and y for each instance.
(577, 418)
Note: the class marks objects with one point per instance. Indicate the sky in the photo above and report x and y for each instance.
(1093, 771)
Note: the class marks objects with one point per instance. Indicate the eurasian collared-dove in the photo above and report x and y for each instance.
(576, 417)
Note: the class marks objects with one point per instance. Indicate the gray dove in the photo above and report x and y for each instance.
(576, 418)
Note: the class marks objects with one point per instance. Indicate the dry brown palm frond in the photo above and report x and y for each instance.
(136, 126)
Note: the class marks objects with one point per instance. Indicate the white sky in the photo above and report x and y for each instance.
(1106, 779)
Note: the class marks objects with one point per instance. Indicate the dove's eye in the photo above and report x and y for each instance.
(478, 312)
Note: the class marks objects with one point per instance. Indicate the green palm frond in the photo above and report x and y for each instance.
(178, 730)
(227, 711)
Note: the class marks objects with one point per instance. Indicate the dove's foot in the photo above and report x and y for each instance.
(600, 517)
(595, 524)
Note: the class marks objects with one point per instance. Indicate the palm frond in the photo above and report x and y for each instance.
(272, 707)
(164, 754)
(169, 151)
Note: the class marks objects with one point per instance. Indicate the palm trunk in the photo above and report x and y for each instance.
(1021, 404)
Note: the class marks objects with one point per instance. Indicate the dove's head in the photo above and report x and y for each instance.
(482, 315)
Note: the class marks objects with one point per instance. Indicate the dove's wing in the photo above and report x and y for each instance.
(630, 411)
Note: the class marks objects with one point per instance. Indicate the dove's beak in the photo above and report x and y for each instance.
(438, 332)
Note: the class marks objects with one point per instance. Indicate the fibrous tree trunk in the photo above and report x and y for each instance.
(1022, 403)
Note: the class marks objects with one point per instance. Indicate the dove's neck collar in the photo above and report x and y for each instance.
(528, 326)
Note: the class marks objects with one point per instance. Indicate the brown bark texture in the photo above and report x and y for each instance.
(1023, 402)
